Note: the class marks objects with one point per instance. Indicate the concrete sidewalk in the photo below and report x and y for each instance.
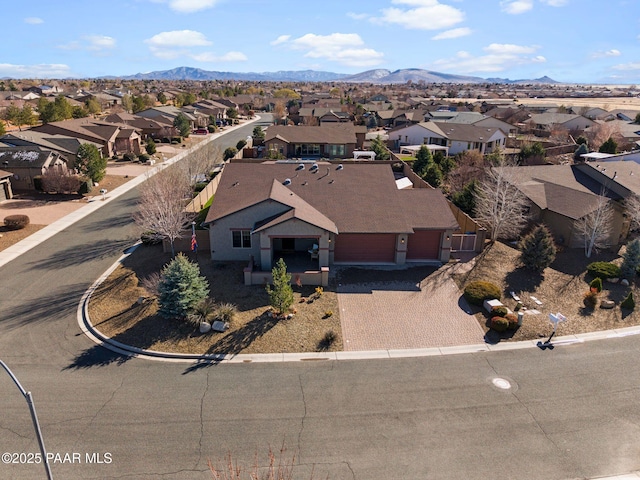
(57, 219)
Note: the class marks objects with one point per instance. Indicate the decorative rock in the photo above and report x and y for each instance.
(205, 327)
(140, 300)
(219, 326)
(607, 304)
(613, 280)
(624, 282)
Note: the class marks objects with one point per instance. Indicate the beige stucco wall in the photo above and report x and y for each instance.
(221, 237)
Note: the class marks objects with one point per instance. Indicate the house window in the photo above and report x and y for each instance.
(336, 150)
(308, 149)
(241, 238)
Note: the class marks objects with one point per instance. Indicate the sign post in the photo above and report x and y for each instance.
(554, 318)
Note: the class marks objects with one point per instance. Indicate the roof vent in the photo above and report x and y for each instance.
(314, 167)
(287, 181)
(300, 167)
(340, 167)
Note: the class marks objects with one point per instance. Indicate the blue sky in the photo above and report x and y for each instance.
(574, 41)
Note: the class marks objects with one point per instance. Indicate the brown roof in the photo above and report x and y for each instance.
(357, 198)
(342, 133)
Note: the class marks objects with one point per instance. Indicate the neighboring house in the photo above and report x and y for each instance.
(115, 139)
(568, 121)
(561, 195)
(45, 90)
(64, 145)
(303, 141)
(148, 127)
(5, 186)
(457, 138)
(168, 111)
(319, 217)
(471, 118)
(27, 162)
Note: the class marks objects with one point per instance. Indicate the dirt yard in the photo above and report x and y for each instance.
(560, 288)
(114, 311)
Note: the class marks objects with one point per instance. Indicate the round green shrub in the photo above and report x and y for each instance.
(499, 311)
(596, 284)
(16, 222)
(512, 318)
(477, 292)
(603, 270)
(143, 157)
(499, 324)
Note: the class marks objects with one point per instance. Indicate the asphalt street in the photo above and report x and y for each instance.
(569, 412)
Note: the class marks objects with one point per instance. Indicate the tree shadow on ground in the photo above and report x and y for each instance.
(236, 341)
(79, 254)
(573, 261)
(522, 280)
(96, 356)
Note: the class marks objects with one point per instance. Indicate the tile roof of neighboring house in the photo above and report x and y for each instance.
(559, 188)
(25, 156)
(467, 118)
(553, 118)
(342, 133)
(467, 133)
(625, 173)
(357, 198)
(96, 129)
(61, 143)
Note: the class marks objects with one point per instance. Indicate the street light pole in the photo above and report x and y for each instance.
(34, 418)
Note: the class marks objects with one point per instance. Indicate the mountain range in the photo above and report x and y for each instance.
(377, 76)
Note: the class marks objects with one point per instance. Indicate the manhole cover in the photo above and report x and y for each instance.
(501, 383)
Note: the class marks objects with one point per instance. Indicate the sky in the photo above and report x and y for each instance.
(572, 41)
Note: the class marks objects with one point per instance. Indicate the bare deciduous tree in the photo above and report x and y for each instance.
(500, 205)
(599, 133)
(198, 164)
(632, 208)
(594, 228)
(161, 210)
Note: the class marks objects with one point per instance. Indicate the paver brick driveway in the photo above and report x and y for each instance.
(403, 313)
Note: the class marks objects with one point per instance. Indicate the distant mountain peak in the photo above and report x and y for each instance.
(378, 76)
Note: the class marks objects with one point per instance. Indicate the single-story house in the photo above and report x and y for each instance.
(561, 195)
(305, 141)
(65, 145)
(316, 215)
(27, 162)
(115, 139)
(457, 137)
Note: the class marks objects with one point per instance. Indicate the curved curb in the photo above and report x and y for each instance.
(84, 322)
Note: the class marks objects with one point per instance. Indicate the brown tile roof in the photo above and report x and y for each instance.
(358, 198)
(342, 133)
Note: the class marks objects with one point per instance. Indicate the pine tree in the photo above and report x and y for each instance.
(423, 159)
(281, 294)
(631, 260)
(628, 303)
(538, 249)
(181, 288)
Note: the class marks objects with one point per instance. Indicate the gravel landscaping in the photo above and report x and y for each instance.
(116, 313)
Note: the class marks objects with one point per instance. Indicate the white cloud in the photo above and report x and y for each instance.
(227, 57)
(176, 43)
(427, 15)
(178, 38)
(33, 20)
(627, 67)
(498, 57)
(609, 53)
(100, 42)
(344, 48)
(454, 33)
(281, 39)
(358, 16)
(516, 7)
(43, 70)
(188, 6)
(556, 3)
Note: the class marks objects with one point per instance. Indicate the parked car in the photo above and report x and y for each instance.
(201, 131)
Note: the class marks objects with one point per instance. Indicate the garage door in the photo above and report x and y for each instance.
(365, 248)
(424, 245)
